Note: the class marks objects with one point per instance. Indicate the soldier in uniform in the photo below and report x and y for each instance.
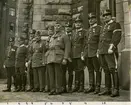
(29, 64)
(57, 54)
(21, 55)
(9, 64)
(77, 49)
(90, 55)
(109, 39)
(50, 33)
(68, 66)
(38, 50)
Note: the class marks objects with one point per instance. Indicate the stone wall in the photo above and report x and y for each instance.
(23, 16)
(124, 17)
(48, 11)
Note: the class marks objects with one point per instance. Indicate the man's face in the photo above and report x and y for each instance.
(78, 24)
(57, 27)
(21, 42)
(50, 32)
(31, 36)
(107, 18)
(68, 29)
(11, 43)
(37, 37)
(92, 21)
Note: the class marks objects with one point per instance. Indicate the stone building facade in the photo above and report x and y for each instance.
(45, 12)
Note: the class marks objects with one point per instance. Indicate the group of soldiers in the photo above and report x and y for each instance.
(70, 50)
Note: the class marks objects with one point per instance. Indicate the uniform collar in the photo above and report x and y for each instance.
(68, 33)
(94, 25)
(22, 45)
(56, 35)
(111, 21)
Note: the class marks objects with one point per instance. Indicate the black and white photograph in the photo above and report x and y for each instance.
(65, 51)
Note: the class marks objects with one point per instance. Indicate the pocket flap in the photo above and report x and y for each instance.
(61, 52)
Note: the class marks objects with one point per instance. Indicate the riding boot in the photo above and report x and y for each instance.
(98, 82)
(107, 90)
(115, 78)
(91, 82)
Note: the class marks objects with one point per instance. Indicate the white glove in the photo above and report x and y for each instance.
(110, 51)
(82, 58)
(64, 62)
(97, 53)
(4, 66)
(26, 64)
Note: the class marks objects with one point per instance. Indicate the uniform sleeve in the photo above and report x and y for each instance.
(67, 44)
(44, 51)
(116, 35)
(30, 52)
(85, 45)
(26, 54)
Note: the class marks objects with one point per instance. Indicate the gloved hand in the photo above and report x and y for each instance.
(110, 51)
(64, 62)
(4, 66)
(26, 64)
(82, 57)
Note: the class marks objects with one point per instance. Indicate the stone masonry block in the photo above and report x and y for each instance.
(125, 7)
(74, 10)
(37, 1)
(37, 6)
(80, 8)
(42, 25)
(120, 17)
(59, 2)
(127, 28)
(47, 18)
(127, 18)
(61, 17)
(75, 15)
(61, 6)
(37, 11)
(36, 25)
(51, 11)
(37, 17)
(119, 7)
(52, 1)
(64, 11)
(65, 2)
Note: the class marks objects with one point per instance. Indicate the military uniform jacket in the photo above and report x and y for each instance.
(70, 38)
(111, 34)
(78, 43)
(59, 48)
(91, 41)
(21, 56)
(38, 53)
(10, 56)
(29, 56)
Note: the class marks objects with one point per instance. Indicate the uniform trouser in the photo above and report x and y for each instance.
(30, 77)
(39, 77)
(68, 67)
(55, 76)
(93, 65)
(78, 66)
(47, 79)
(21, 77)
(109, 64)
(10, 74)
